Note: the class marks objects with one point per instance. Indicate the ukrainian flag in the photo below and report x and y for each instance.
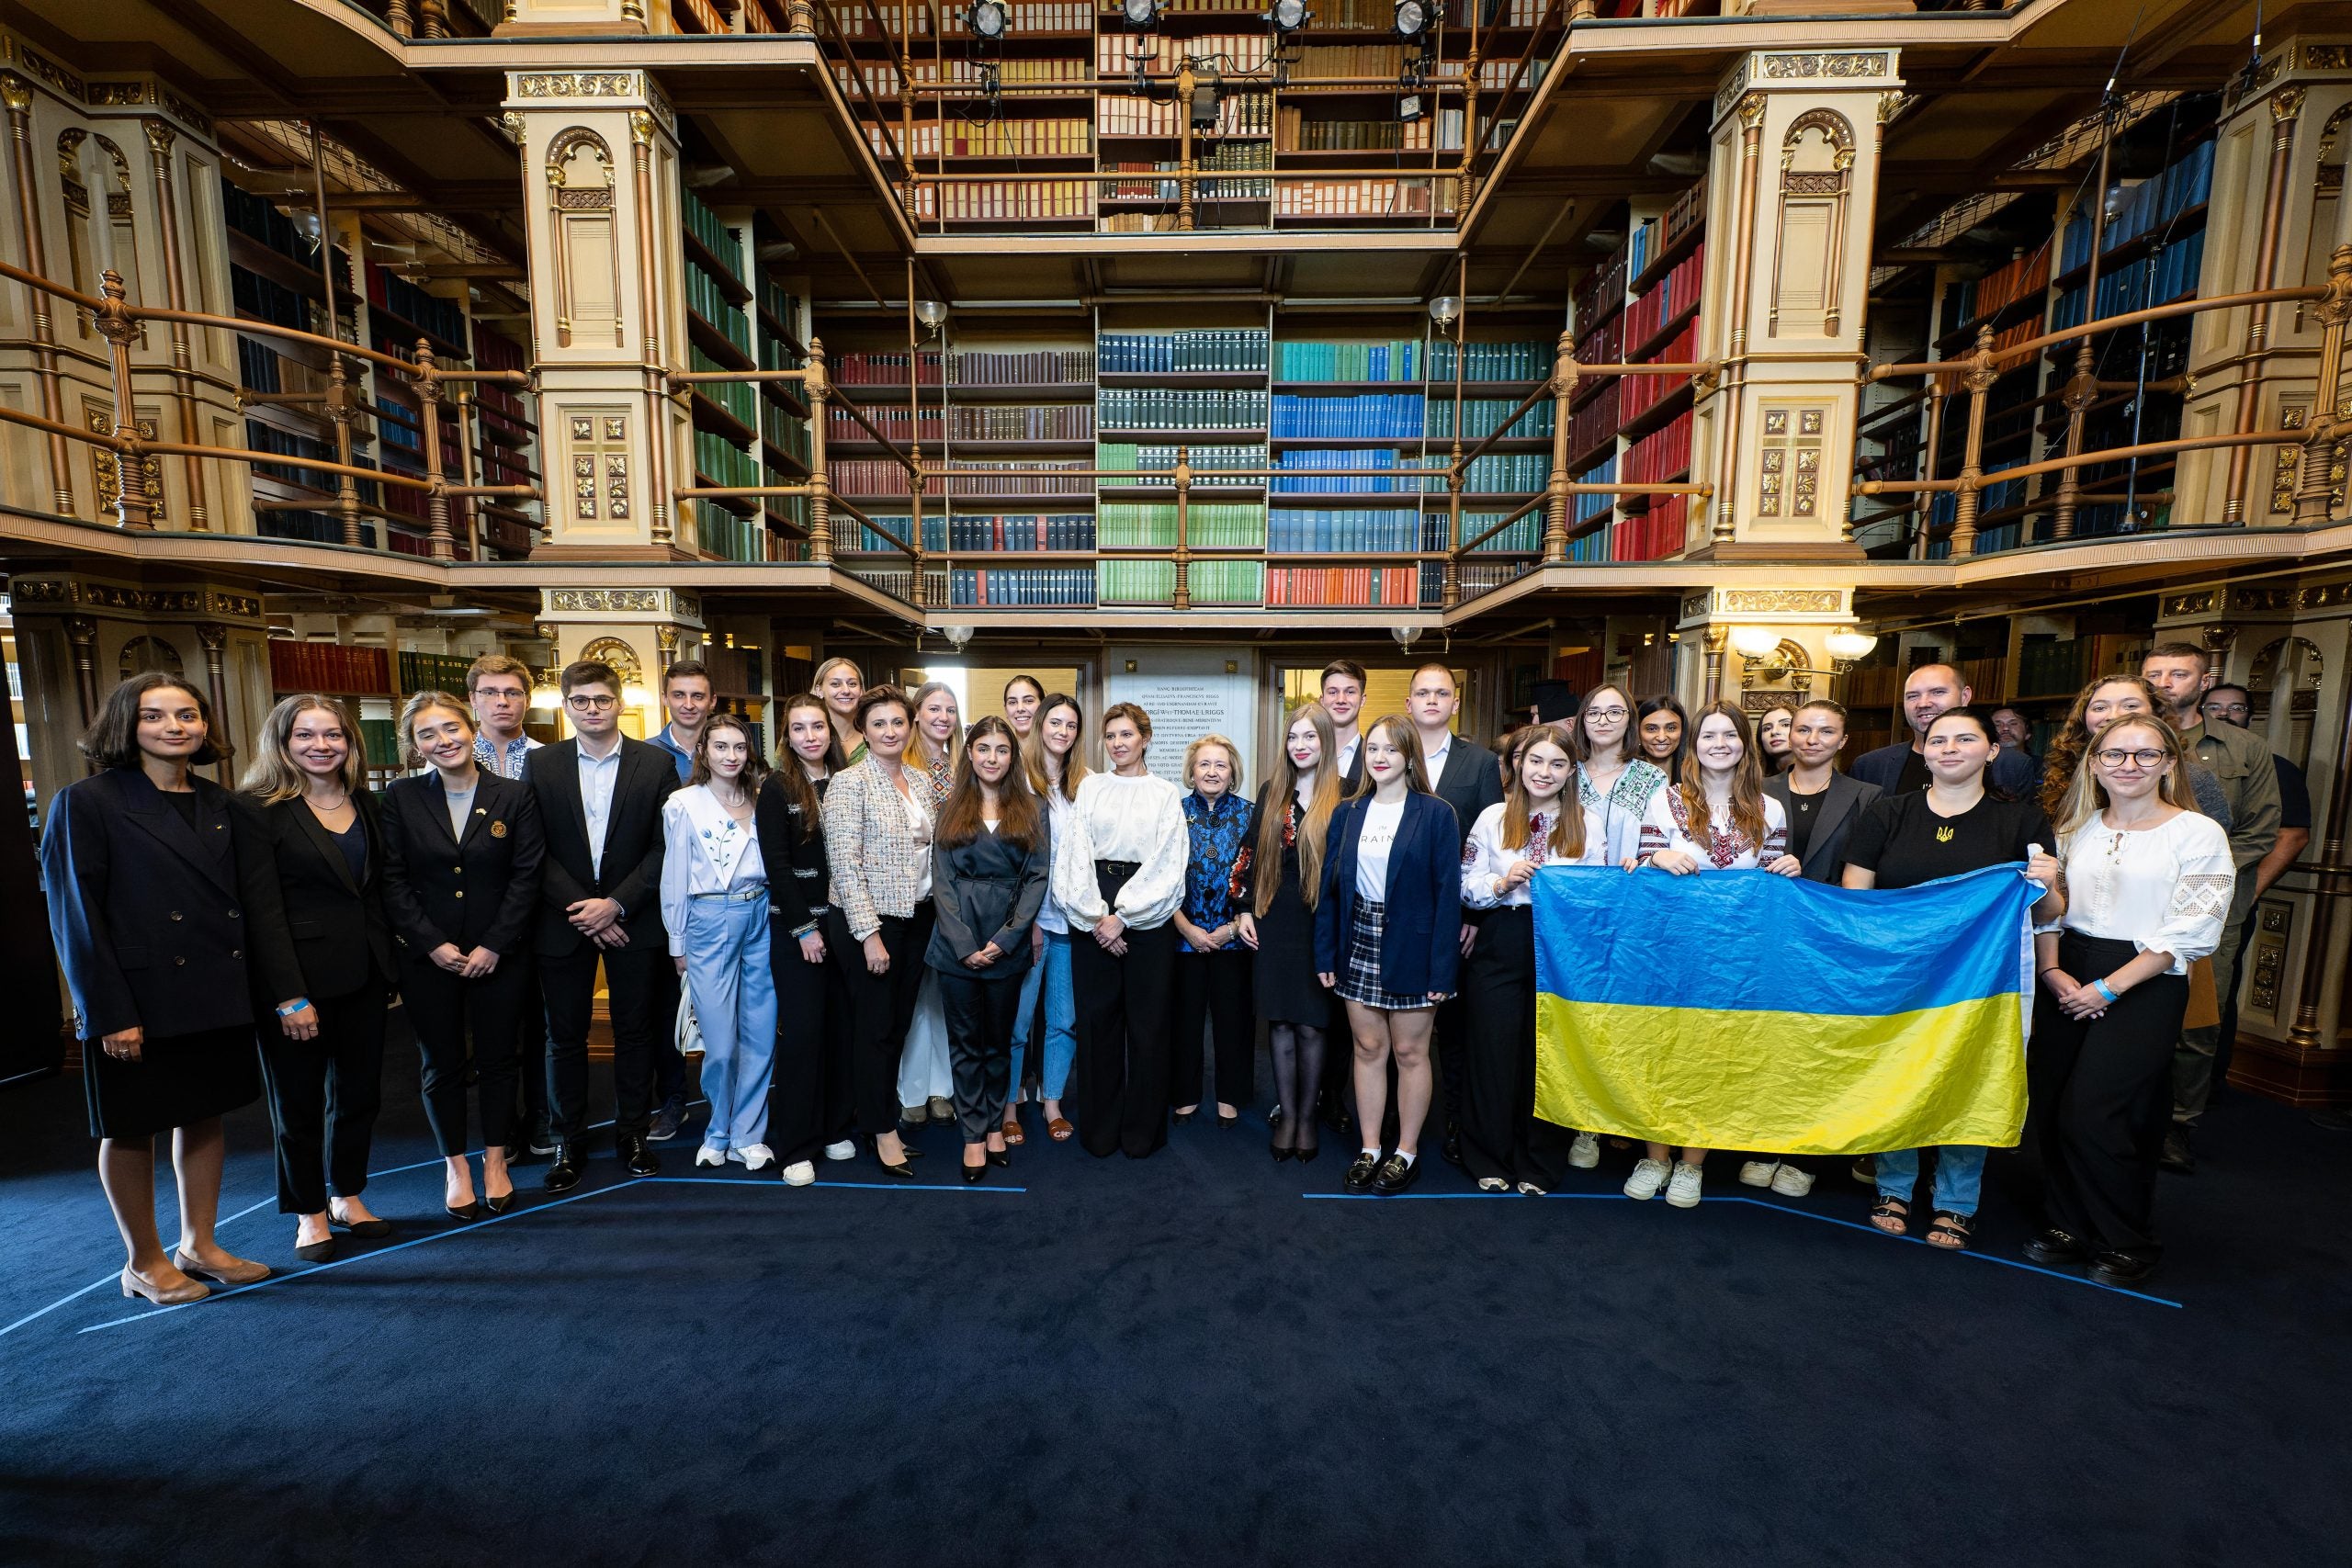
(1742, 1010)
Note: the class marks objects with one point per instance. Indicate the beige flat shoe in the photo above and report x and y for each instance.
(244, 1271)
(178, 1295)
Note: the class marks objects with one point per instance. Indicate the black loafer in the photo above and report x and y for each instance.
(2056, 1248)
(636, 1159)
(315, 1251)
(563, 1170)
(1452, 1150)
(1395, 1174)
(1359, 1177)
(367, 1230)
(2121, 1270)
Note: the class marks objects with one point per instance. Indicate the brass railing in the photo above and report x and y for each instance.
(117, 321)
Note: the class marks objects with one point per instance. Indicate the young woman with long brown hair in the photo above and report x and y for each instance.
(989, 866)
(810, 1108)
(1278, 882)
(1717, 817)
(1053, 757)
(2111, 697)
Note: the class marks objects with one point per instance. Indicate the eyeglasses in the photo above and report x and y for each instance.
(587, 704)
(1605, 712)
(2117, 757)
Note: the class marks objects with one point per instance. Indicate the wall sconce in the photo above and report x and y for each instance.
(1406, 636)
(1766, 659)
(929, 312)
(957, 637)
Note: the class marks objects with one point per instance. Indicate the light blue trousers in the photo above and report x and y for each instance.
(726, 973)
(1959, 1176)
(1051, 973)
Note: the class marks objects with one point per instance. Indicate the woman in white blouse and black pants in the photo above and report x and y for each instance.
(2148, 886)
(1119, 881)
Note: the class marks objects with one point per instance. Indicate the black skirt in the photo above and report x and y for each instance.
(178, 1079)
(1284, 975)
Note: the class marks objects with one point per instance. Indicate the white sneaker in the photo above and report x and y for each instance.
(759, 1157)
(1493, 1184)
(800, 1173)
(845, 1149)
(1649, 1175)
(1585, 1153)
(708, 1155)
(1759, 1172)
(1529, 1189)
(1791, 1182)
(1683, 1191)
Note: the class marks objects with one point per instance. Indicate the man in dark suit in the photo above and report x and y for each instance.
(600, 796)
(1468, 777)
(1932, 691)
(1822, 803)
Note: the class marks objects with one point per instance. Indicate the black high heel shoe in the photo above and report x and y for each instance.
(471, 1212)
(1001, 1157)
(1280, 1153)
(902, 1170)
(1304, 1155)
(499, 1205)
(975, 1172)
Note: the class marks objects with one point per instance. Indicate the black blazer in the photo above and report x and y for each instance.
(1420, 940)
(316, 931)
(632, 861)
(148, 917)
(796, 866)
(1841, 808)
(1471, 781)
(987, 891)
(480, 891)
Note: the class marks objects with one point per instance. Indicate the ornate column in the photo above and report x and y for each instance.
(636, 630)
(214, 638)
(601, 167)
(1792, 188)
(17, 95)
(160, 137)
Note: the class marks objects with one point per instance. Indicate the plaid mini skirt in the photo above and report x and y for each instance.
(1359, 971)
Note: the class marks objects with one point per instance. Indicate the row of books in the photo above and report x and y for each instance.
(881, 77)
(720, 461)
(1366, 197)
(1205, 462)
(783, 431)
(1135, 582)
(1674, 294)
(722, 534)
(740, 398)
(969, 421)
(960, 137)
(1398, 359)
(1603, 343)
(1238, 114)
(1476, 577)
(1654, 236)
(1019, 478)
(1642, 393)
(329, 666)
(1296, 132)
(1481, 416)
(2055, 667)
(1524, 536)
(1188, 408)
(852, 536)
(2156, 279)
(1365, 414)
(1966, 302)
(1508, 473)
(2148, 206)
(1208, 525)
(1519, 360)
(1021, 587)
(1116, 53)
(1371, 587)
(721, 242)
(1004, 199)
(962, 534)
(1340, 530)
(1192, 349)
(1384, 60)
(1226, 581)
(707, 299)
(1662, 455)
(1599, 297)
(1585, 508)
(1654, 534)
(444, 319)
(1377, 476)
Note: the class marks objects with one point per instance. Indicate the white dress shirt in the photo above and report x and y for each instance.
(703, 850)
(1348, 753)
(597, 777)
(1435, 761)
(1116, 818)
(1050, 917)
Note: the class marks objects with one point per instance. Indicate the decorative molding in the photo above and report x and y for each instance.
(2327, 57)
(2285, 104)
(2197, 603)
(80, 593)
(579, 84)
(1835, 67)
(160, 135)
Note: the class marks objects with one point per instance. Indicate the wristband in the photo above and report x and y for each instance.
(297, 1005)
(2106, 990)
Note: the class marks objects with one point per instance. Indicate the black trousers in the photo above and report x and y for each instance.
(810, 1102)
(323, 1096)
(881, 1007)
(531, 1059)
(1124, 1009)
(1501, 1137)
(1214, 989)
(980, 1016)
(441, 1007)
(669, 1061)
(2100, 1099)
(632, 980)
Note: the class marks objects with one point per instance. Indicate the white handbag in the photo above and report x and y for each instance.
(689, 1032)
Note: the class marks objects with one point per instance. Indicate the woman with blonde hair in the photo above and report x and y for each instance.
(926, 1078)
(1277, 881)
(1050, 753)
(839, 684)
(2147, 883)
(1212, 961)
(310, 866)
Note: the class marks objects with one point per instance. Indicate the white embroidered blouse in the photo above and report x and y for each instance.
(2163, 889)
(1485, 860)
(1667, 826)
(703, 850)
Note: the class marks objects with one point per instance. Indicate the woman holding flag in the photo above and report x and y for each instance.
(1537, 824)
(1717, 818)
(2148, 885)
(1951, 827)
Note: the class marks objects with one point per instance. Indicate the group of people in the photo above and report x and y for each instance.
(875, 927)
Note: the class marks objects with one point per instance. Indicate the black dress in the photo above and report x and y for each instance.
(149, 927)
(1284, 975)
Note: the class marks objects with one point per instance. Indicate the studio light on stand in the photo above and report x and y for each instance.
(989, 20)
(1139, 16)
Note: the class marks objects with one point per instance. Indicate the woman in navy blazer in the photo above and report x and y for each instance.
(140, 864)
(1387, 939)
(462, 850)
(310, 859)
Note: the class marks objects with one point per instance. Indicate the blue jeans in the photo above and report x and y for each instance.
(1959, 1176)
(1052, 973)
(734, 992)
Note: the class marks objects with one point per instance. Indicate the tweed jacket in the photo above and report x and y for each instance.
(877, 859)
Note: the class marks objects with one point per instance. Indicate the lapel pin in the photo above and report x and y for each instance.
(498, 829)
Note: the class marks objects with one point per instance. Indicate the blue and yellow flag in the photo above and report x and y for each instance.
(1740, 1010)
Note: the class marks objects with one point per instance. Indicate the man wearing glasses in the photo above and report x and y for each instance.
(600, 796)
(2182, 673)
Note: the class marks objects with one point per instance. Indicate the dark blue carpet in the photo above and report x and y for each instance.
(1203, 1358)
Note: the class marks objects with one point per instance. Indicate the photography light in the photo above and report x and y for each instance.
(1412, 18)
(988, 19)
(1136, 15)
(1288, 16)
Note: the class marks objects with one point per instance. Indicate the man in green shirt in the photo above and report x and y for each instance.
(2182, 673)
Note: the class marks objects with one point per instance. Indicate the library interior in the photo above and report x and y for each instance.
(1167, 351)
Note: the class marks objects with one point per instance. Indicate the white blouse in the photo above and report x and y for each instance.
(703, 850)
(1484, 859)
(2163, 889)
(1114, 818)
(918, 824)
(1049, 913)
(1666, 825)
